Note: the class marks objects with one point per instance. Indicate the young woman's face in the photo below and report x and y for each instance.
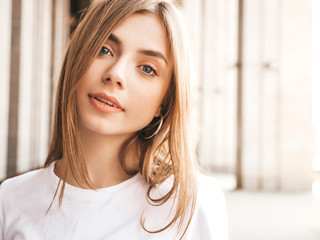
(122, 90)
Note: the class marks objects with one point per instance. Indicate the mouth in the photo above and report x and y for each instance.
(107, 100)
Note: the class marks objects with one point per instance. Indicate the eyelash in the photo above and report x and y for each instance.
(154, 72)
(103, 49)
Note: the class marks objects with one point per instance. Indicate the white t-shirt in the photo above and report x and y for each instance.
(111, 213)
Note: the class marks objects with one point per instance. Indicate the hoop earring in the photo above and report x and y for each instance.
(158, 129)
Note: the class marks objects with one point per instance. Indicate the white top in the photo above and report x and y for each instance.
(111, 213)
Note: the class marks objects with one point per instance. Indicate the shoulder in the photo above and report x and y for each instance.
(210, 219)
(19, 192)
(209, 190)
(19, 182)
(210, 201)
(23, 187)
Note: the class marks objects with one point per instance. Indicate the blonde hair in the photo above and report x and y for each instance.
(168, 153)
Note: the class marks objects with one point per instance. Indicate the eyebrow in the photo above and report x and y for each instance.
(153, 53)
(114, 39)
(146, 52)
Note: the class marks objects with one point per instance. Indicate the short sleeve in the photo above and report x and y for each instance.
(210, 220)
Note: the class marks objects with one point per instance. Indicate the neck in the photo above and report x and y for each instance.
(101, 155)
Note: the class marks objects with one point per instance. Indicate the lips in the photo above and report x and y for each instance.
(107, 100)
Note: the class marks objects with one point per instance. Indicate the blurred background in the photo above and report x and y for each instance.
(256, 102)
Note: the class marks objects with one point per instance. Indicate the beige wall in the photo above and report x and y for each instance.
(5, 43)
(277, 140)
(277, 150)
(212, 28)
(38, 30)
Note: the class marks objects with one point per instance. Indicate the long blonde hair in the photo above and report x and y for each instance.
(168, 153)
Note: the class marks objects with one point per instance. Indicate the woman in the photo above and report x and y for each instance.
(120, 163)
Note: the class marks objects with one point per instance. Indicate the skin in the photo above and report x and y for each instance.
(134, 66)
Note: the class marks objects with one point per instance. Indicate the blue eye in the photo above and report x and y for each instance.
(148, 70)
(105, 51)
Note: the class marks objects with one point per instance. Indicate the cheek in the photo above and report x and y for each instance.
(149, 95)
(145, 103)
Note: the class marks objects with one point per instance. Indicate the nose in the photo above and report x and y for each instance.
(115, 74)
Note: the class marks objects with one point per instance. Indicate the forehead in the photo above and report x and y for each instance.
(143, 30)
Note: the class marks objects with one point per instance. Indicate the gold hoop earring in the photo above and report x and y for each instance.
(156, 132)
